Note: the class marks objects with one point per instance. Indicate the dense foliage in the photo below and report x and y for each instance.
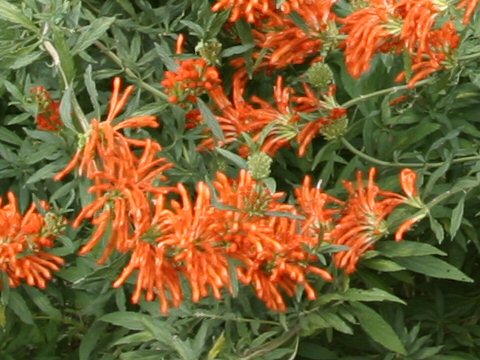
(239, 179)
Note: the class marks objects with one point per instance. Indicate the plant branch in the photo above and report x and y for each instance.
(376, 161)
(391, 90)
(142, 84)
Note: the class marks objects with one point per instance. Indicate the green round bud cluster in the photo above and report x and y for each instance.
(319, 75)
(258, 165)
(336, 129)
(210, 51)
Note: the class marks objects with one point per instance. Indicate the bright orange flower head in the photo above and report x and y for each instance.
(105, 140)
(22, 242)
(362, 221)
(48, 116)
(192, 78)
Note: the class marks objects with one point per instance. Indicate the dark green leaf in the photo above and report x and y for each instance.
(92, 33)
(211, 120)
(378, 329)
(433, 267)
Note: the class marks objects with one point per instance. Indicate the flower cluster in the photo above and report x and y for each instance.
(231, 225)
(23, 243)
(48, 113)
(408, 26)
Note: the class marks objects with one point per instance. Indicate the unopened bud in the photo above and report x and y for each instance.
(259, 165)
(319, 75)
(335, 129)
(210, 51)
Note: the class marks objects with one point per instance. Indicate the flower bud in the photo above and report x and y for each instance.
(335, 129)
(210, 51)
(319, 75)
(259, 165)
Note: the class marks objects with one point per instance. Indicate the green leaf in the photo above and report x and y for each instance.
(127, 319)
(19, 307)
(383, 265)
(13, 14)
(211, 120)
(43, 303)
(237, 160)
(457, 217)
(140, 337)
(26, 60)
(90, 339)
(433, 267)
(236, 50)
(9, 137)
(377, 328)
(406, 248)
(48, 171)
(66, 109)
(92, 91)
(370, 295)
(92, 33)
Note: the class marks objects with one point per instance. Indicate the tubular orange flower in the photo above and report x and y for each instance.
(254, 10)
(318, 207)
(192, 78)
(48, 116)
(362, 220)
(470, 6)
(22, 243)
(370, 30)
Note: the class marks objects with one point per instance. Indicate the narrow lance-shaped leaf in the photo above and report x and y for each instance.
(377, 328)
(210, 120)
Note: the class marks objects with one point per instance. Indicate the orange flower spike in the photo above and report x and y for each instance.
(470, 6)
(179, 44)
(116, 104)
(408, 179)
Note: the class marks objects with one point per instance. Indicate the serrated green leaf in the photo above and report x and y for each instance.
(433, 267)
(92, 33)
(377, 328)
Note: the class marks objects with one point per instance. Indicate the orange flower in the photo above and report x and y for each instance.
(254, 10)
(104, 139)
(192, 78)
(470, 6)
(48, 116)
(373, 29)
(362, 220)
(286, 42)
(22, 243)
(318, 207)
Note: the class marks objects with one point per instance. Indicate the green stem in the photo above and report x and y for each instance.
(161, 95)
(376, 161)
(391, 90)
(272, 345)
(468, 57)
(236, 319)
